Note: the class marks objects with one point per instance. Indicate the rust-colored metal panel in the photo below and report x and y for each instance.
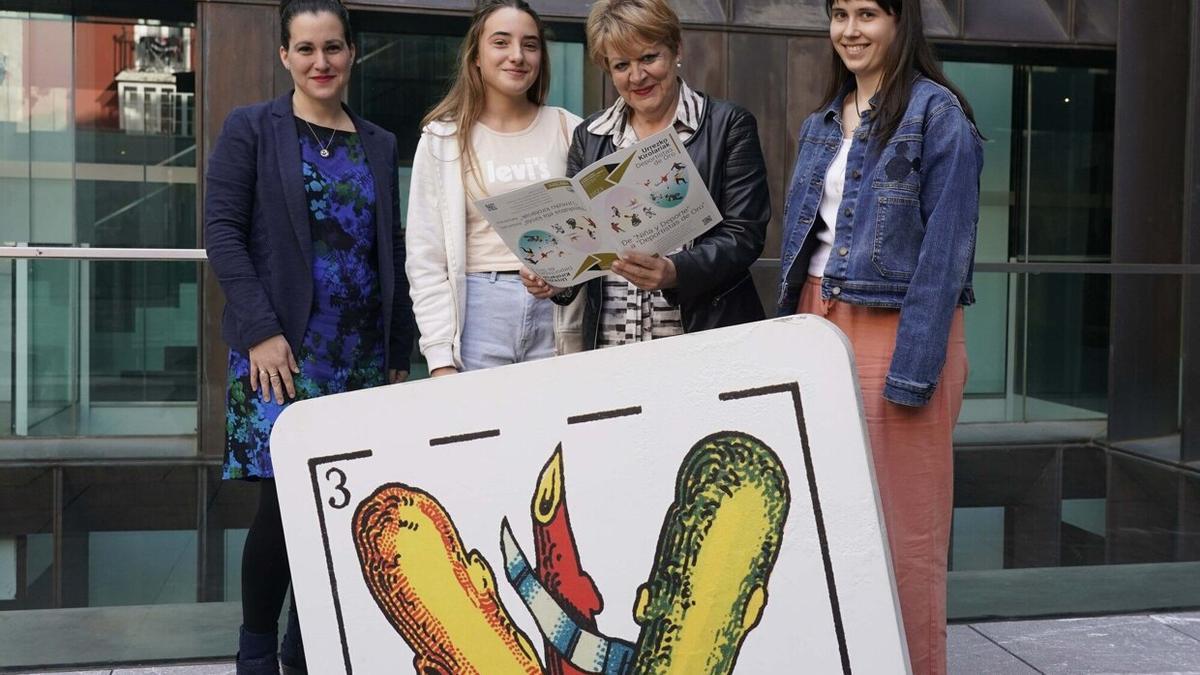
(610, 93)
(758, 81)
(689, 11)
(456, 6)
(942, 17)
(807, 15)
(595, 86)
(1150, 162)
(1013, 21)
(1062, 12)
(697, 11)
(1096, 21)
(704, 61)
(1190, 419)
(807, 74)
(239, 64)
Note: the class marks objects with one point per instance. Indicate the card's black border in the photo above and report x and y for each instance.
(792, 389)
(337, 601)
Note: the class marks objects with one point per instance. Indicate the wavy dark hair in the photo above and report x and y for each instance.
(909, 55)
(288, 9)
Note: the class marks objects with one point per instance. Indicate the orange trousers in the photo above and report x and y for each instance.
(912, 451)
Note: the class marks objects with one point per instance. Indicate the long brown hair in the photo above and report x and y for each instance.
(463, 104)
(909, 54)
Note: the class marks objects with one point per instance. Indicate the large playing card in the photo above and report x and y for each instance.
(700, 504)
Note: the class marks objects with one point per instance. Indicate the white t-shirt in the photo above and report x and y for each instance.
(506, 162)
(831, 202)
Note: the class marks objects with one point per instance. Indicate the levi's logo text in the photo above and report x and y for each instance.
(531, 169)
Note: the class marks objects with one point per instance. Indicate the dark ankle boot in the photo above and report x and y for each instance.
(291, 652)
(260, 653)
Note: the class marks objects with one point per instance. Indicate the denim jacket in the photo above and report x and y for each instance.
(905, 234)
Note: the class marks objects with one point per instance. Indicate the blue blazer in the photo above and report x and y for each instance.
(258, 237)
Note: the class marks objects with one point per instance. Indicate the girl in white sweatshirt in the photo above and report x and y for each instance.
(491, 134)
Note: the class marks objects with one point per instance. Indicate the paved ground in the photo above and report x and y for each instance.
(1142, 644)
(1168, 643)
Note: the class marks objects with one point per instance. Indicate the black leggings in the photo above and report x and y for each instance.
(265, 572)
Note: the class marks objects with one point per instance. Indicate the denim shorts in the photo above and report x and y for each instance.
(504, 323)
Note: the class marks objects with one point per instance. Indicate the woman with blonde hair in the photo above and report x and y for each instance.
(491, 134)
(706, 283)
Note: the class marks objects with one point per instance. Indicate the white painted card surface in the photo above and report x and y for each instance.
(627, 420)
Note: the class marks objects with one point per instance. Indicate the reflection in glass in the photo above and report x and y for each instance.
(26, 539)
(129, 536)
(85, 101)
(989, 88)
(1038, 344)
(400, 77)
(1066, 199)
(1065, 368)
(99, 348)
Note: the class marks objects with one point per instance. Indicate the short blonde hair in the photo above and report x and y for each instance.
(625, 25)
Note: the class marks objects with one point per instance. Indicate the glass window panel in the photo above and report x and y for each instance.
(99, 348)
(989, 89)
(36, 139)
(1066, 346)
(566, 82)
(1066, 196)
(129, 535)
(233, 541)
(97, 100)
(400, 77)
(231, 507)
(141, 568)
(1051, 353)
(7, 345)
(977, 539)
(1125, 527)
(26, 539)
(52, 360)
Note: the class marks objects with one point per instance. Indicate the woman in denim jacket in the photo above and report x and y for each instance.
(880, 239)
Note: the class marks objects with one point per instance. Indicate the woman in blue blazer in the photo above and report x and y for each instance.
(303, 232)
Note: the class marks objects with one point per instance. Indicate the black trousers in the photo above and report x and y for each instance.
(265, 572)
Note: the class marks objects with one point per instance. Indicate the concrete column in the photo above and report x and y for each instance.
(1190, 444)
(238, 65)
(1153, 58)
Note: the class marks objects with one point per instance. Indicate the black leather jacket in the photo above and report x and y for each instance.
(713, 287)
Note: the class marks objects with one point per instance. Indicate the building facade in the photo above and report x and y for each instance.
(1077, 455)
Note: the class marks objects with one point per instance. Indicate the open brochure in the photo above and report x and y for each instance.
(648, 197)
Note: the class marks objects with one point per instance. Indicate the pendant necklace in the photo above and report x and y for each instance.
(325, 146)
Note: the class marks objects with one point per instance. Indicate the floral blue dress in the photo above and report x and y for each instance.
(343, 346)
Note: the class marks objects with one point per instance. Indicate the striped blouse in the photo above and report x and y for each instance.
(627, 313)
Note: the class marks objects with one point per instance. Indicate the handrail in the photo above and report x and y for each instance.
(88, 253)
(199, 255)
(1038, 267)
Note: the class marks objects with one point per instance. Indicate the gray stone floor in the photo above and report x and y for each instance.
(1141, 644)
(1144, 643)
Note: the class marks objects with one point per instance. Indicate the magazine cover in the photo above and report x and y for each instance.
(648, 197)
